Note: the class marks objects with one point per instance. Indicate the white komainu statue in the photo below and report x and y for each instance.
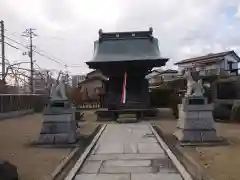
(193, 88)
(58, 90)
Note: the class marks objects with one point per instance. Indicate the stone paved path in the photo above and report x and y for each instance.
(128, 152)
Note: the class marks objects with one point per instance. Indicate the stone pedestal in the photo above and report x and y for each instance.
(59, 124)
(196, 124)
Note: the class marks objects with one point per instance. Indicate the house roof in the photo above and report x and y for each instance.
(213, 57)
(92, 72)
(161, 72)
(169, 71)
(95, 78)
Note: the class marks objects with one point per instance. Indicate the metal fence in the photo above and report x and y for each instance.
(18, 102)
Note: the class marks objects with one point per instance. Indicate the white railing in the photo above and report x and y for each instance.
(218, 71)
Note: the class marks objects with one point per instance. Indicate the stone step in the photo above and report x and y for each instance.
(127, 116)
(127, 120)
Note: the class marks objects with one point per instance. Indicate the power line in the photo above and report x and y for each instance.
(39, 53)
(54, 60)
(11, 45)
(16, 42)
(43, 54)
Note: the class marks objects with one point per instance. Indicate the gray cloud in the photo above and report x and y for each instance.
(67, 29)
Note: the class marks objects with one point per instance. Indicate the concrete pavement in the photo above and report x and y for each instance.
(128, 152)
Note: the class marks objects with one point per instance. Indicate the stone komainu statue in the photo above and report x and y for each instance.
(58, 90)
(194, 88)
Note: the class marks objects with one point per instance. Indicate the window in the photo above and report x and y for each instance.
(230, 65)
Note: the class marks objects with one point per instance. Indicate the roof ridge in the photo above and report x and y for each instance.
(210, 55)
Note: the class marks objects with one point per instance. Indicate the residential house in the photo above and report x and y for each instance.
(158, 77)
(212, 64)
(77, 79)
(93, 84)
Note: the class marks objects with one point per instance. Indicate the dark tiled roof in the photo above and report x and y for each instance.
(209, 57)
(94, 71)
(126, 46)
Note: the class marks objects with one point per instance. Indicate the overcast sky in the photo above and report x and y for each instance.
(67, 28)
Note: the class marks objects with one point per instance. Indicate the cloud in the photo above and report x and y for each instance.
(67, 29)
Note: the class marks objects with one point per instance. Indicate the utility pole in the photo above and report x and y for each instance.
(3, 49)
(30, 34)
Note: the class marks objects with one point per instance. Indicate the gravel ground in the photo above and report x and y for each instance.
(33, 163)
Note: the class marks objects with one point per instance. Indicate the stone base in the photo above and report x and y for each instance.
(196, 124)
(59, 125)
(197, 136)
(78, 115)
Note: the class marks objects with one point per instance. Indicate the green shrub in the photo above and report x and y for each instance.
(160, 97)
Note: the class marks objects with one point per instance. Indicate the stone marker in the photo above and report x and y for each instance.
(59, 124)
(196, 124)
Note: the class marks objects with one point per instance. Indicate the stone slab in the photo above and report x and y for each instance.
(149, 148)
(190, 114)
(127, 120)
(208, 107)
(55, 127)
(127, 163)
(163, 165)
(125, 169)
(130, 148)
(127, 116)
(91, 167)
(56, 138)
(102, 177)
(144, 155)
(59, 118)
(64, 138)
(196, 136)
(205, 115)
(46, 139)
(107, 148)
(157, 176)
(195, 124)
(60, 138)
(145, 139)
(126, 156)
